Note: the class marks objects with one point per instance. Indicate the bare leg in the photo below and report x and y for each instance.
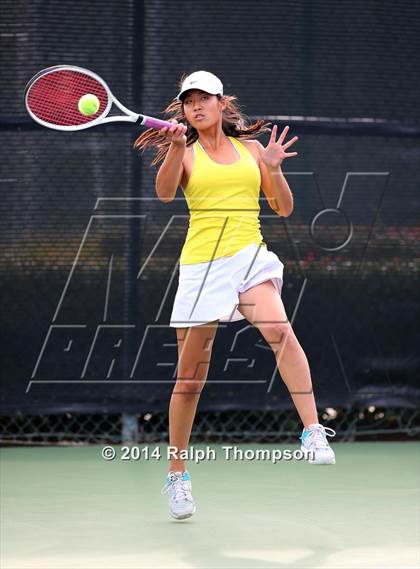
(262, 306)
(194, 353)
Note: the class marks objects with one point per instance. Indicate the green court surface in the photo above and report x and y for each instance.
(66, 507)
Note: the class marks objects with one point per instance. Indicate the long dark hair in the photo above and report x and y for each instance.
(234, 123)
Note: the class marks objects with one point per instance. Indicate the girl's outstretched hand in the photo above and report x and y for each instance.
(275, 152)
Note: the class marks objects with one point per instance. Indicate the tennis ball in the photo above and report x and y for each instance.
(88, 104)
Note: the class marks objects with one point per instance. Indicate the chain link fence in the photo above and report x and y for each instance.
(83, 219)
(371, 423)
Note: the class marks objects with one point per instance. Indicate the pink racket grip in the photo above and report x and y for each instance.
(151, 122)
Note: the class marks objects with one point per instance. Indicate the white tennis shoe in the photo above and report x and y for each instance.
(315, 446)
(181, 503)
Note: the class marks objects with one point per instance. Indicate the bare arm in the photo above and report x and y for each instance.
(170, 173)
(274, 183)
(275, 188)
(283, 200)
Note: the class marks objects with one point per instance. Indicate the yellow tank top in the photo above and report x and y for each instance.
(223, 204)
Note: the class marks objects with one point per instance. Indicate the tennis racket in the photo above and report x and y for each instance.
(52, 96)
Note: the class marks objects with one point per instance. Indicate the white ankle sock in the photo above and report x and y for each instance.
(313, 425)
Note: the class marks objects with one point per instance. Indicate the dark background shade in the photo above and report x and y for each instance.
(83, 330)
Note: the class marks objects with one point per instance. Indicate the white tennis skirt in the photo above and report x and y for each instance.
(210, 291)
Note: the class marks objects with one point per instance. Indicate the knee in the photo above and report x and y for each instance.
(190, 383)
(281, 335)
(188, 390)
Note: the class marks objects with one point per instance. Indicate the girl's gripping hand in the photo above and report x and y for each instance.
(175, 133)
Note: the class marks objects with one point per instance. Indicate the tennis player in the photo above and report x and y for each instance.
(226, 271)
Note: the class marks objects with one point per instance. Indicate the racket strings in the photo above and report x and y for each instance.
(53, 98)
